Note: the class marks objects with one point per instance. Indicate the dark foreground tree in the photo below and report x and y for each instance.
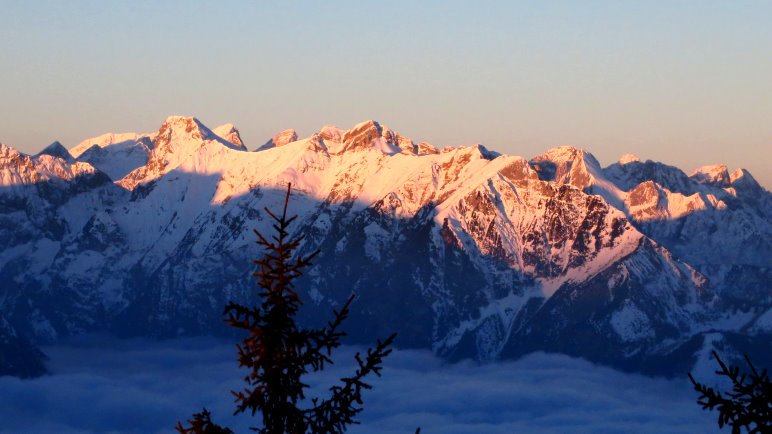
(748, 405)
(278, 353)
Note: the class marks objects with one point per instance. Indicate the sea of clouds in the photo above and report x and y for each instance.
(102, 385)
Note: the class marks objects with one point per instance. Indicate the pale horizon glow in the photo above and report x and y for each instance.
(685, 83)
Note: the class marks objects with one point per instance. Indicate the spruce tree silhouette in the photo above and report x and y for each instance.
(748, 405)
(278, 353)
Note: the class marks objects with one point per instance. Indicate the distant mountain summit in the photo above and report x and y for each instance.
(57, 150)
(230, 133)
(280, 139)
(462, 250)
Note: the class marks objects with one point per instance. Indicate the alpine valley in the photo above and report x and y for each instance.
(462, 250)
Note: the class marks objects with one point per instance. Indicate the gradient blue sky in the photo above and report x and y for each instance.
(684, 82)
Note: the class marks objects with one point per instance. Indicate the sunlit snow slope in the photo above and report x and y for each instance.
(461, 250)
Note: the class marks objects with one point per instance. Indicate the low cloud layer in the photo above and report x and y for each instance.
(101, 386)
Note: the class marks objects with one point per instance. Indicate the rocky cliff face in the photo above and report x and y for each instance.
(461, 250)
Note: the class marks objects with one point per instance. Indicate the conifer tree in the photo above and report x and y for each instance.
(278, 353)
(748, 405)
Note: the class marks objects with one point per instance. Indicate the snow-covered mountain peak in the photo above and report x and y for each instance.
(182, 127)
(58, 150)
(627, 176)
(371, 134)
(230, 133)
(280, 139)
(119, 159)
(716, 175)
(426, 148)
(645, 202)
(477, 150)
(368, 124)
(179, 139)
(284, 137)
(181, 120)
(628, 158)
(7, 152)
(506, 255)
(568, 154)
(224, 128)
(178, 133)
(739, 173)
(363, 135)
(568, 165)
(741, 179)
(18, 169)
(331, 133)
(103, 141)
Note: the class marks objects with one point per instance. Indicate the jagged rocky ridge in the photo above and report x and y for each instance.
(461, 250)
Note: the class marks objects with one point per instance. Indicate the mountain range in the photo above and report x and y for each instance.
(462, 250)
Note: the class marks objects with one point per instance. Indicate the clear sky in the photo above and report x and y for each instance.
(688, 83)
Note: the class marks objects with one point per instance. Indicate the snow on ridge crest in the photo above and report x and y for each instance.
(628, 158)
(8, 151)
(186, 131)
(280, 139)
(331, 133)
(371, 134)
(716, 174)
(564, 164)
(284, 137)
(568, 153)
(366, 135)
(178, 140)
(18, 169)
(56, 149)
(176, 124)
(230, 133)
(742, 178)
(104, 141)
(181, 119)
(568, 165)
